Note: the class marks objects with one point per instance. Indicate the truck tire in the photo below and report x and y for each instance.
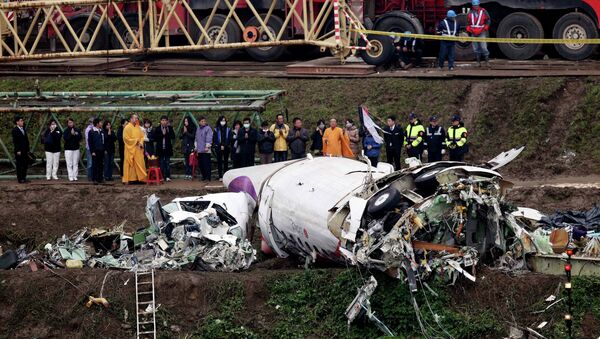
(78, 25)
(231, 34)
(575, 25)
(463, 50)
(270, 53)
(399, 22)
(520, 25)
(133, 23)
(381, 51)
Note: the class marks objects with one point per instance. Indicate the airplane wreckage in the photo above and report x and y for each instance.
(440, 218)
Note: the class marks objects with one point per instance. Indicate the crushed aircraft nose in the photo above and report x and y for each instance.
(207, 233)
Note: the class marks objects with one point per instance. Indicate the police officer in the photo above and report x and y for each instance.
(435, 136)
(415, 133)
(456, 140)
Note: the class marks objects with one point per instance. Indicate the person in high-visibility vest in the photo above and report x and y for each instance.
(415, 132)
(478, 25)
(456, 139)
(447, 27)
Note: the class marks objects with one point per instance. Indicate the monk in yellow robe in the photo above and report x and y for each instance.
(134, 168)
(336, 142)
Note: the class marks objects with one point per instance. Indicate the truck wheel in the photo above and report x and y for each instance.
(133, 23)
(520, 25)
(463, 50)
(575, 26)
(267, 53)
(231, 34)
(380, 52)
(101, 41)
(399, 22)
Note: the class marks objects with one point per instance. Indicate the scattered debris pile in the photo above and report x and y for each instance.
(448, 233)
(206, 239)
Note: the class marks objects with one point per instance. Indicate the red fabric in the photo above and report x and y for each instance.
(472, 21)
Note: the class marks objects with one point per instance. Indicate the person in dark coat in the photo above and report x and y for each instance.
(435, 137)
(188, 135)
(236, 157)
(163, 136)
(96, 141)
(109, 150)
(247, 137)
(266, 143)
(148, 139)
(371, 148)
(297, 139)
(72, 136)
(394, 140)
(52, 139)
(316, 146)
(121, 145)
(222, 145)
(21, 149)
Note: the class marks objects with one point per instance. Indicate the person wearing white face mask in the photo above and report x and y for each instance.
(266, 144)
(247, 137)
(51, 140)
(222, 145)
(317, 138)
(353, 136)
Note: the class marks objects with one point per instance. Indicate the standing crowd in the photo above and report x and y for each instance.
(232, 146)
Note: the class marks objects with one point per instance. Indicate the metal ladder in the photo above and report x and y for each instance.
(144, 296)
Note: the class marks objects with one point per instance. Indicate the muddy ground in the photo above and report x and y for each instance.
(42, 304)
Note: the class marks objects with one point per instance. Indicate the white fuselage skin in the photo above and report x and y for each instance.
(297, 197)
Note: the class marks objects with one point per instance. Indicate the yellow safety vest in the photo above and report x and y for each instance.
(414, 134)
(456, 134)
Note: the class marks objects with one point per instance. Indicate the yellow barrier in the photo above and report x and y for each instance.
(475, 39)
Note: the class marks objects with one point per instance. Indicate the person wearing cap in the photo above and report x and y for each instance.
(447, 27)
(478, 25)
(435, 136)
(409, 51)
(21, 148)
(415, 132)
(393, 136)
(456, 139)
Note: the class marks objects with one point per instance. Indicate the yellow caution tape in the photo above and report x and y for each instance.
(475, 39)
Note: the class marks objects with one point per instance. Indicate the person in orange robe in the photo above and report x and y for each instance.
(336, 142)
(134, 168)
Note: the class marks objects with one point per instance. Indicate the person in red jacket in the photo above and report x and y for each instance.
(478, 25)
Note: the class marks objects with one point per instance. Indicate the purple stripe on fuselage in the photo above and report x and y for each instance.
(243, 184)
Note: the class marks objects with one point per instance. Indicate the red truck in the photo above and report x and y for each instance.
(562, 19)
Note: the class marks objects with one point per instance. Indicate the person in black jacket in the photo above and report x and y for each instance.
(394, 140)
(188, 136)
(247, 137)
(109, 150)
(297, 139)
(409, 51)
(222, 145)
(72, 136)
(51, 140)
(21, 144)
(435, 136)
(164, 136)
(317, 138)
(96, 141)
(266, 143)
(236, 157)
(121, 145)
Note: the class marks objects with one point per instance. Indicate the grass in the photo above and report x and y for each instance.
(584, 128)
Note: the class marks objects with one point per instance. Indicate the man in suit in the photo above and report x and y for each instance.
(96, 140)
(21, 143)
(163, 136)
